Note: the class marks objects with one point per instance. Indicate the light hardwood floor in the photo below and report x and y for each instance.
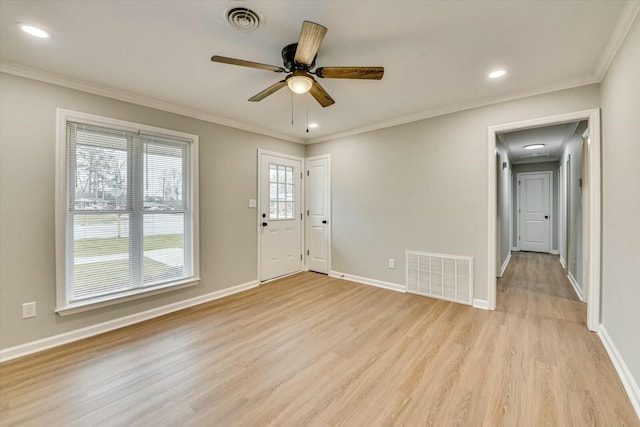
(312, 350)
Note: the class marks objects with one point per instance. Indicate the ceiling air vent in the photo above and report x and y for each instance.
(243, 17)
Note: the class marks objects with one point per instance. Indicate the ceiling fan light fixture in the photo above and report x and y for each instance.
(299, 82)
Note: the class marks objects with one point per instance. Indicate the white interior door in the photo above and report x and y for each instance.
(280, 215)
(535, 211)
(318, 211)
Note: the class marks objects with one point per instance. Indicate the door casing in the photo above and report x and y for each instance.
(519, 207)
(259, 207)
(591, 214)
(309, 195)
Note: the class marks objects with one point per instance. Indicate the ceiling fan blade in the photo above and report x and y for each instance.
(372, 73)
(268, 91)
(309, 42)
(321, 95)
(243, 63)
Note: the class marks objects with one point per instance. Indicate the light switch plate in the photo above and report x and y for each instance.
(252, 203)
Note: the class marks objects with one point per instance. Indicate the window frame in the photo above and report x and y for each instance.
(63, 305)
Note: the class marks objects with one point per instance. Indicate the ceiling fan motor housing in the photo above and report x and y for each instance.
(288, 55)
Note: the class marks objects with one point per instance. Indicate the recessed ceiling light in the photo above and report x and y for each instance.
(533, 146)
(34, 31)
(497, 73)
(313, 125)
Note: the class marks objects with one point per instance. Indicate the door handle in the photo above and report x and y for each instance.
(324, 221)
(264, 224)
(546, 217)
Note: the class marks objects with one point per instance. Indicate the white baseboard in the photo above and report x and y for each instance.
(100, 328)
(482, 304)
(504, 265)
(564, 264)
(366, 281)
(515, 249)
(576, 287)
(629, 383)
(554, 252)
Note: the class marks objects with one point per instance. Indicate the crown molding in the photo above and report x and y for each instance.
(625, 20)
(466, 105)
(120, 95)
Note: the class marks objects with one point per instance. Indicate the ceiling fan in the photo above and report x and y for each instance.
(299, 60)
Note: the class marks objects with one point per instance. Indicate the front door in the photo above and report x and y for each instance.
(535, 211)
(280, 218)
(317, 207)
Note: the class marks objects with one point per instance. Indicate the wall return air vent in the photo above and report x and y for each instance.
(447, 277)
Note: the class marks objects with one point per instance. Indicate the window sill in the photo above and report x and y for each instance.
(104, 301)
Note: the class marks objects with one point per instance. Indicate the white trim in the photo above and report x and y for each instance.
(366, 281)
(259, 219)
(515, 249)
(329, 219)
(504, 264)
(550, 173)
(482, 304)
(564, 264)
(63, 307)
(594, 226)
(554, 252)
(628, 382)
(576, 286)
(100, 328)
(120, 95)
(134, 294)
(619, 33)
(583, 80)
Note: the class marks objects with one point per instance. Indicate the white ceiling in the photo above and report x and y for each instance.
(436, 55)
(553, 137)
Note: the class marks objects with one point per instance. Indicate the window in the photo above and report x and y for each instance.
(127, 225)
(280, 192)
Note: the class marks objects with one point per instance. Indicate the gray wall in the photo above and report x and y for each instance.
(621, 200)
(423, 186)
(228, 166)
(537, 167)
(503, 208)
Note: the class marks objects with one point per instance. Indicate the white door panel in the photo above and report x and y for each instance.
(280, 218)
(318, 232)
(535, 211)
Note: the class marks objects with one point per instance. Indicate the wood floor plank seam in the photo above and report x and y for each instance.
(314, 350)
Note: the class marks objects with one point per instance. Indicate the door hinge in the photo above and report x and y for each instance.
(307, 173)
(301, 217)
(307, 212)
(300, 175)
(518, 237)
(300, 257)
(307, 252)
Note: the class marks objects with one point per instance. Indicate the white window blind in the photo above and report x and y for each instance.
(128, 217)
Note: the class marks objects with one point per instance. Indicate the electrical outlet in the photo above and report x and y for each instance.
(28, 310)
(392, 263)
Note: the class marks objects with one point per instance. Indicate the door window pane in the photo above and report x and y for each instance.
(281, 190)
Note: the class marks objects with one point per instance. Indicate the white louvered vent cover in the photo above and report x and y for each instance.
(447, 277)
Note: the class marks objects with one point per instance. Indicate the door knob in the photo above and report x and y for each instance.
(324, 221)
(264, 224)
(546, 217)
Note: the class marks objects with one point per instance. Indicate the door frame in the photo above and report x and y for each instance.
(518, 194)
(262, 152)
(592, 260)
(329, 218)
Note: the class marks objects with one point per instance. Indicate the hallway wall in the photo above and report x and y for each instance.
(621, 203)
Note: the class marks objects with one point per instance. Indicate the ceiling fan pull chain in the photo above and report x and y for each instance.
(306, 102)
(291, 108)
